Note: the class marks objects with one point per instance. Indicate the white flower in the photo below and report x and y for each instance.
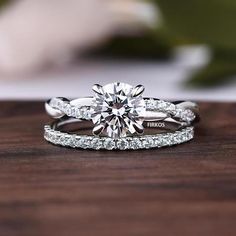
(35, 33)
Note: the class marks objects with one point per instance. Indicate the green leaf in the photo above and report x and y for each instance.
(3, 2)
(220, 70)
(149, 45)
(210, 22)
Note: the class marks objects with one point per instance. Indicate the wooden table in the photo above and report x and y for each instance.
(188, 189)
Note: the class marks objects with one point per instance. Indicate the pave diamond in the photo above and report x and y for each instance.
(122, 144)
(136, 143)
(144, 142)
(96, 143)
(109, 144)
(118, 110)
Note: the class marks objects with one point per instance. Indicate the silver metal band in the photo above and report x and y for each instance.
(80, 108)
(128, 143)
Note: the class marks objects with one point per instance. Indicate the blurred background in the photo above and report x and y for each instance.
(183, 49)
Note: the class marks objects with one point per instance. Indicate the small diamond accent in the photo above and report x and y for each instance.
(151, 104)
(122, 144)
(135, 143)
(85, 142)
(96, 143)
(109, 144)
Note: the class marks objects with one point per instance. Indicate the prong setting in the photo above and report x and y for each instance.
(97, 88)
(138, 90)
(138, 128)
(98, 129)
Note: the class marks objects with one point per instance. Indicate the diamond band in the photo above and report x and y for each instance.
(128, 143)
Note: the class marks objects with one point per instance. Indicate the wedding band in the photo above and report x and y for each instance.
(128, 143)
(119, 112)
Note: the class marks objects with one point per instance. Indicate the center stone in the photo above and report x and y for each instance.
(118, 110)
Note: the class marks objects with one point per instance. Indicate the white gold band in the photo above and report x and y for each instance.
(128, 143)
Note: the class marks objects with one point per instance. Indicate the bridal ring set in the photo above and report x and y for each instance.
(119, 117)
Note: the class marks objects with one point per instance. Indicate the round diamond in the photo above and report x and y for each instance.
(109, 144)
(96, 143)
(83, 142)
(122, 144)
(188, 115)
(118, 109)
(136, 143)
(152, 104)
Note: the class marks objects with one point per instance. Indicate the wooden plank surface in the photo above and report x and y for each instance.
(188, 189)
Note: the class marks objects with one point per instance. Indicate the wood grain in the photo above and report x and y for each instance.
(188, 189)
